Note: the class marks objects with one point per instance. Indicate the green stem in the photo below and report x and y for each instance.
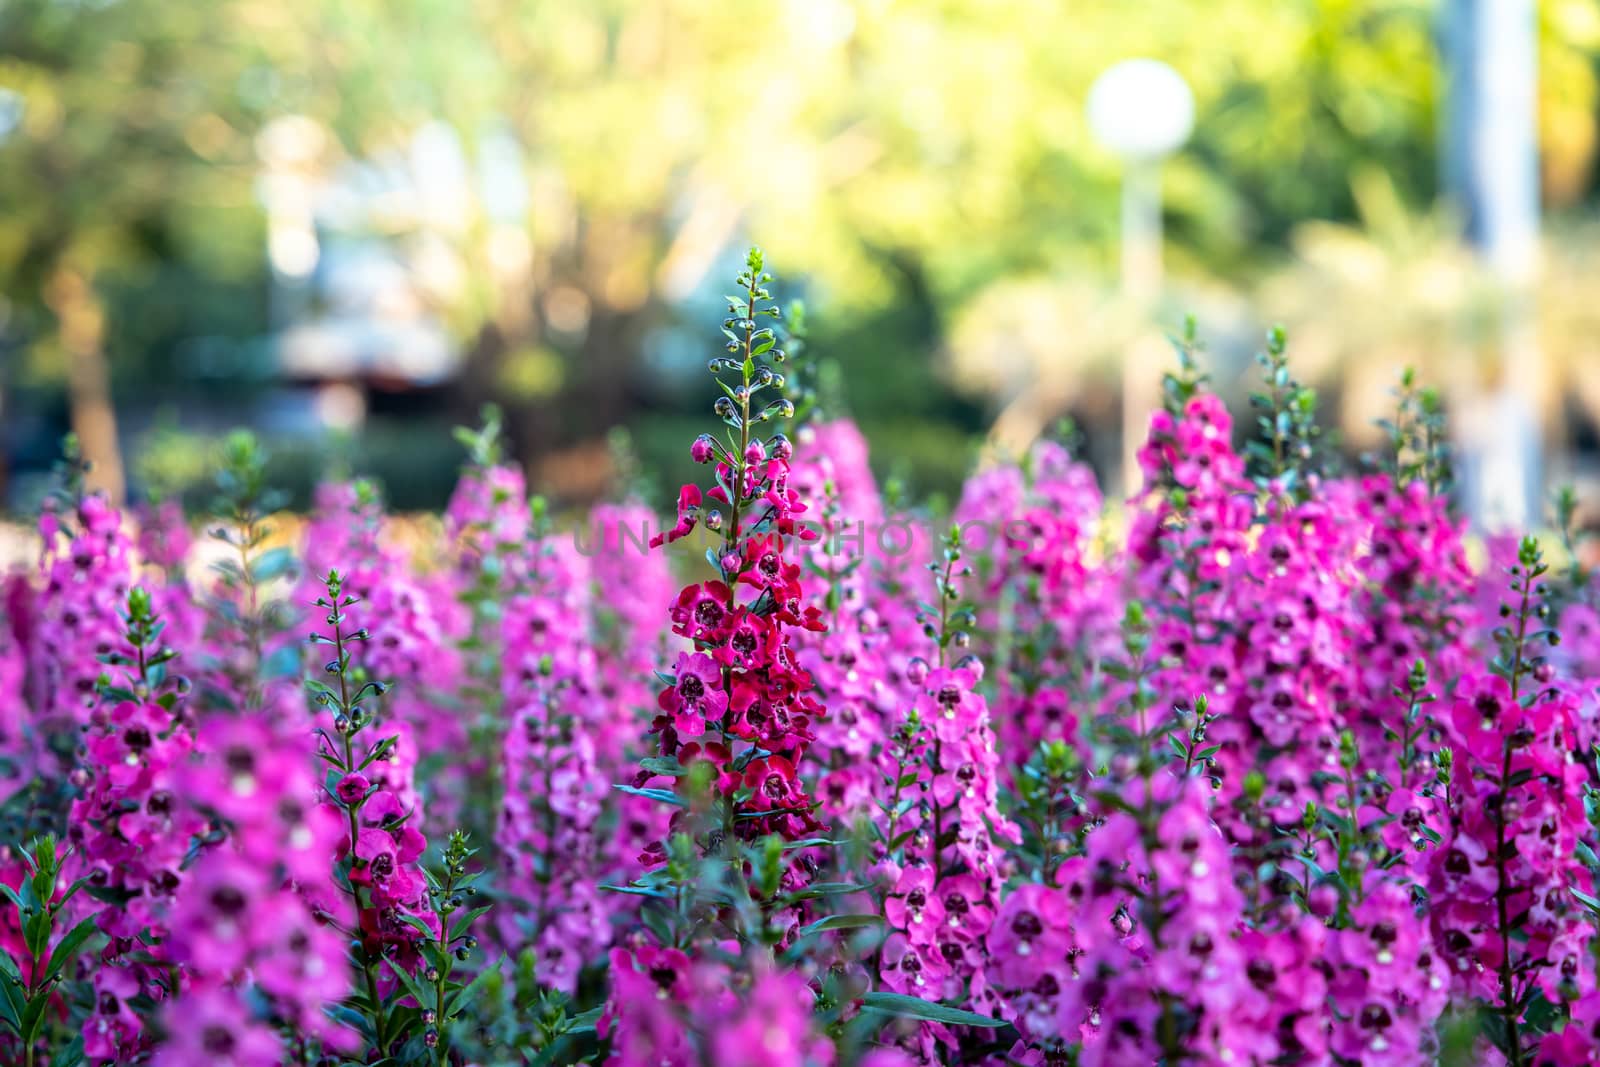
(353, 812)
(444, 955)
(730, 543)
(1508, 995)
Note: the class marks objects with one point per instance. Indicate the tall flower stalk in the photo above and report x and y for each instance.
(739, 703)
(377, 869)
(735, 723)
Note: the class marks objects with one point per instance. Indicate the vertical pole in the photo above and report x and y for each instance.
(1141, 285)
(1491, 171)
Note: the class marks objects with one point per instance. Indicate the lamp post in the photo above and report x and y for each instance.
(1142, 111)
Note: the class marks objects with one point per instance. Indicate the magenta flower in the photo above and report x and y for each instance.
(352, 788)
(696, 696)
(949, 705)
(773, 785)
(214, 1027)
(688, 514)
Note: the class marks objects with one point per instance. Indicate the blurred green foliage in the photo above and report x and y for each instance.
(915, 161)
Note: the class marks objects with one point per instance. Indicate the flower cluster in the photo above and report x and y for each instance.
(75, 618)
(670, 1010)
(851, 661)
(1045, 590)
(386, 908)
(632, 637)
(412, 640)
(129, 830)
(1504, 913)
(742, 684)
(944, 828)
(245, 937)
(1326, 796)
(547, 832)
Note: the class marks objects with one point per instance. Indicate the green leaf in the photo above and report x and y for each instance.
(810, 842)
(826, 889)
(463, 922)
(666, 796)
(638, 891)
(585, 1022)
(416, 924)
(378, 751)
(351, 1018)
(33, 1017)
(1586, 900)
(840, 922)
(69, 946)
(271, 564)
(71, 1056)
(913, 1008)
(663, 765)
(422, 993)
(11, 1003)
(463, 994)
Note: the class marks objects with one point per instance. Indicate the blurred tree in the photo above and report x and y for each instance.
(580, 167)
(906, 153)
(119, 151)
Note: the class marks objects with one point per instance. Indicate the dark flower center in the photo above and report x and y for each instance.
(1376, 1017)
(217, 1040)
(708, 613)
(1488, 707)
(227, 900)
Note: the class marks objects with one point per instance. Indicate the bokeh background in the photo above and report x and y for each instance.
(350, 223)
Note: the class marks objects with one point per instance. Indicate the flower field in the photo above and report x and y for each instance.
(1272, 765)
